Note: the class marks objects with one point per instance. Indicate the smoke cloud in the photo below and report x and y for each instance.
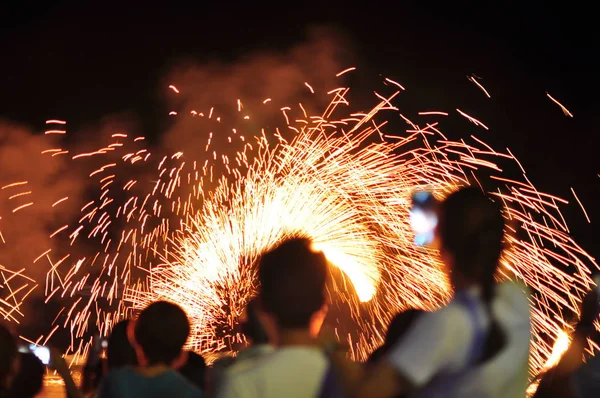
(281, 79)
(26, 209)
(211, 89)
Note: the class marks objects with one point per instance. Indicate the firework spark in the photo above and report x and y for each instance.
(562, 107)
(475, 79)
(188, 227)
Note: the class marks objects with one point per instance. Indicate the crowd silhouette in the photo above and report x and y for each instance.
(477, 345)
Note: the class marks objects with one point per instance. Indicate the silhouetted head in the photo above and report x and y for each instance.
(161, 332)
(8, 357)
(292, 280)
(120, 352)
(471, 233)
(30, 379)
(251, 323)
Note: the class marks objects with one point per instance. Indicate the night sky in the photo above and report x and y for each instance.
(80, 63)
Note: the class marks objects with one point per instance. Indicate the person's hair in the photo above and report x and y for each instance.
(29, 381)
(471, 229)
(292, 280)
(252, 326)
(120, 352)
(194, 370)
(161, 331)
(8, 353)
(397, 328)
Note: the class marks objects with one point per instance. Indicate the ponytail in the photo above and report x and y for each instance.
(471, 229)
(469, 260)
(496, 338)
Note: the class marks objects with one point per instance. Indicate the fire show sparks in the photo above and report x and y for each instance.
(188, 227)
(562, 107)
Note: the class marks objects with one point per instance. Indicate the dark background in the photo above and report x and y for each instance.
(81, 62)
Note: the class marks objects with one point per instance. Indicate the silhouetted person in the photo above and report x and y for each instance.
(571, 377)
(119, 351)
(478, 344)
(292, 299)
(94, 368)
(29, 381)
(158, 336)
(254, 329)
(252, 326)
(194, 370)
(396, 330)
(8, 360)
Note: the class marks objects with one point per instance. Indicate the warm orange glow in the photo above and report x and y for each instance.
(560, 346)
(186, 226)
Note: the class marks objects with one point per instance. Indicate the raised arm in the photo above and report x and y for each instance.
(59, 364)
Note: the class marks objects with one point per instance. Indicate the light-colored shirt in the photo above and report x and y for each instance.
(293, 372)
(225, 367)
(435, 353)
(249, 357)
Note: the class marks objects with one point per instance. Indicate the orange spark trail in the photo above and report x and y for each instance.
(474, 80)
(394, 83)
(60, 201)
(14, 184)
(187, 226)
(581, 205)
(22, 207)
(42, 255)
(309, 87)
(472, 119)
(346, 71)
(564, 109)
(19, 194)
(433, 113)
(58, 231)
